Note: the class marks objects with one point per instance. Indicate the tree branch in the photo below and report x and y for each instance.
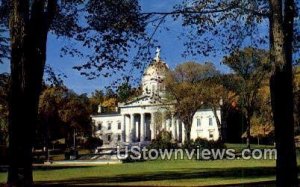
(178, 12)
(208, 11)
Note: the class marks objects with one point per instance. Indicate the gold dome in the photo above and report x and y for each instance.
(156, 68)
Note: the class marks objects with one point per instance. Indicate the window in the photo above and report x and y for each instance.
(119, 125)
(198, 122)
(109, 126)
(210, 122)
(99, 128)
(211, 135)
(119, 137)
(109, 137)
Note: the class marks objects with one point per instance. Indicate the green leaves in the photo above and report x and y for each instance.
(61, 108)
(251, 69)
(186, 88)
(101, 32)
(250, 66)
(112, 28)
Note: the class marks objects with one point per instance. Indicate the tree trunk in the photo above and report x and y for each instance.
(187, 126)
(218, 123)
(187, 136)
(284, 130)
(28, 32)
(281, 37)
(248, 132)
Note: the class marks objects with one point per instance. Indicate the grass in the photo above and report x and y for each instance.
(240, 147)
(174, 172)
(160, 173)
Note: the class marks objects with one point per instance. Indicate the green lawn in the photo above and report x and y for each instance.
(162, 172)
(159, 172)
(240, 147)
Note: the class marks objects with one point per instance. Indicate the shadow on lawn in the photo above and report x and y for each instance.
(4, 169)
(233, 173)
(49, 168)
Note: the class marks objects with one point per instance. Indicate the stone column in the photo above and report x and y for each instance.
(143, 128)
(132, 128)
(183, 131)
(124, 128)
(127, 128)
(168, 125)
(178, 130)
(173, 128)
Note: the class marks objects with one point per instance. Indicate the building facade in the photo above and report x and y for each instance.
(141, 119)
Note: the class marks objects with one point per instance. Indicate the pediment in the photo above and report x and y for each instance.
(143, 100)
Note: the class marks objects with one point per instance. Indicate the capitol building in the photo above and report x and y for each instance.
(139, 120)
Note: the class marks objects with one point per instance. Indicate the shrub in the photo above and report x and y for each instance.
(163, 141)
(208, 144)
(188, 145)
(204, 144)
(201, 144)
(92, 143)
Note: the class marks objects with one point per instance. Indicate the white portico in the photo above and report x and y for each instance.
(138, 121)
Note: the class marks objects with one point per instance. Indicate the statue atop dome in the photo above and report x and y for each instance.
(157, 57)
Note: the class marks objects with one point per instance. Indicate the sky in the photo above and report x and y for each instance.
(171, 52)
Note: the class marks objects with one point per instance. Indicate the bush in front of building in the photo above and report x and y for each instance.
(203, 144)
(163, 141)
(208, 144)
(189, 145)
(200, 143)
(92, 143)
